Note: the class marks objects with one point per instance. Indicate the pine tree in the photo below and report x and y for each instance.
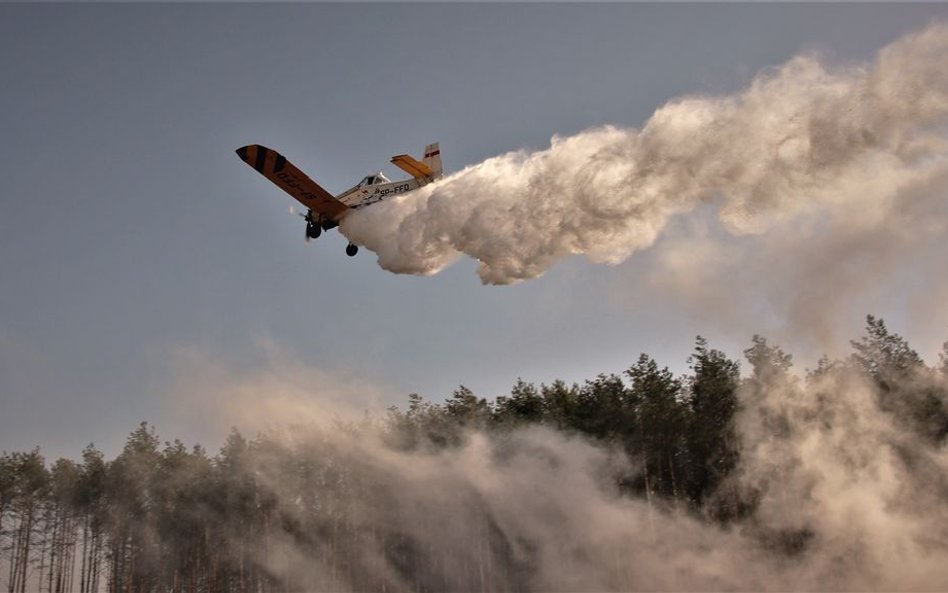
(662, 419)
(130, 496)
(91, 506)
(560, 403)
(30, 491)
(907, 388)
(468, 410)
(884, 356)
(712, 443)
(603, 409)
(524, 405)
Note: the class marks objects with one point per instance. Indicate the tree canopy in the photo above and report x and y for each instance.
(163, 516)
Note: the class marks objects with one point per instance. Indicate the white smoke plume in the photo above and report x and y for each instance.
(536, 509)
(530, 511)
(208, 394)
(862, 147)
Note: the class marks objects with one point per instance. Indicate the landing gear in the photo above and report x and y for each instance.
(313, 230)
(351, 249)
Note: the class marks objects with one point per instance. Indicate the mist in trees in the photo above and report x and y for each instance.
(738, 475)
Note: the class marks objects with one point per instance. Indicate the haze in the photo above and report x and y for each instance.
(141, 260)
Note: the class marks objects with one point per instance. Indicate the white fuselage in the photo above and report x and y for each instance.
(366, 194)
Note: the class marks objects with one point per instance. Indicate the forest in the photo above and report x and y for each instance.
(739, 474)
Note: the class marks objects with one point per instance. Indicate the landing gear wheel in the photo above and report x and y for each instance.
(313, 231)
(351, 249)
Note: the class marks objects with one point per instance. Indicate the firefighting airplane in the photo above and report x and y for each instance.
(323, 210)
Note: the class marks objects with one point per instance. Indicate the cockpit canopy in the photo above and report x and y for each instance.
(374, 179)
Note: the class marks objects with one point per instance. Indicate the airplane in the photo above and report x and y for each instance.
(323, 210)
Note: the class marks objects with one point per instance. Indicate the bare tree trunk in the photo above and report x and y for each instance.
(28, 537)
(15, 558)
(118, 564)
(48, 542)
(96, 561)
(65, 553)
(241, 574)
(14, 561)
(85, 554)
(68, 572)
(129, 566)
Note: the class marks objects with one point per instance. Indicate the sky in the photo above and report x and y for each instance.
(148, 274)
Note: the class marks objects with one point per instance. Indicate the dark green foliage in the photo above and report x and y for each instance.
(660, 424)
(524, 405)
(907, 388)
(467, 410)
(882, 355)
(769, 363)
(560, 404)
(712, 446)
(603, 409)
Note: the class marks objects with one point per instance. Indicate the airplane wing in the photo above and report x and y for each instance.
(415, 168)
(274, 166)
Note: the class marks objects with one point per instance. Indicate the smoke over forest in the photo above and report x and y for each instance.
(743, 474)
(717, 480)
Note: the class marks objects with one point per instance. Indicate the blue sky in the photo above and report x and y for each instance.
(130, 232)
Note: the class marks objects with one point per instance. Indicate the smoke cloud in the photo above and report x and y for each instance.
(208, 394)
(835, 175)
(852, 149)
(536, 509)
(530, 511)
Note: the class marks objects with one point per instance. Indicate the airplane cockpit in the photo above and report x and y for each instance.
(373, 180)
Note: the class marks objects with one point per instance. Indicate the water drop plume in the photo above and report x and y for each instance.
(804, 138)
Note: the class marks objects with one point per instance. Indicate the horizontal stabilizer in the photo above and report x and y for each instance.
(287, 177)
(413, 167)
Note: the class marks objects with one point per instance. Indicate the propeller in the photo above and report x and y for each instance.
(293, 210)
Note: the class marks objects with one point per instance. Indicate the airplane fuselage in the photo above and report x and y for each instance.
(324, 210)
(361, 196)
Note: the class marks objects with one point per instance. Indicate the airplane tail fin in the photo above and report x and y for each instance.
(433, 159)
